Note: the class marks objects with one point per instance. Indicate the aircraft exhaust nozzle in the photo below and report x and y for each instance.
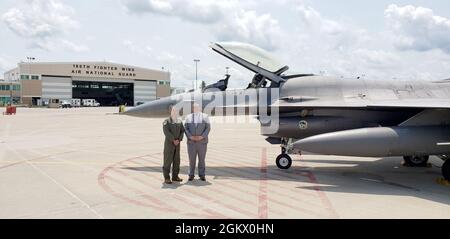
(379, 142)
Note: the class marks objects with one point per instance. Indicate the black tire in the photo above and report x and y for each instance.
(416, 161)
(446, 170)
(283, 161)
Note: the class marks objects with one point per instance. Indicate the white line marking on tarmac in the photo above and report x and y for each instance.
(371, 180)
(66, 190)
(57, 183)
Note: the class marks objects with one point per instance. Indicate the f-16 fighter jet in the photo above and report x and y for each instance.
(328, 115)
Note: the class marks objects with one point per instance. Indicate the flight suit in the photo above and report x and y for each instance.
(172, 131)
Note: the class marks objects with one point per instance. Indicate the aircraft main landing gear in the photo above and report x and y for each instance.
(446, 170)
(416, 161)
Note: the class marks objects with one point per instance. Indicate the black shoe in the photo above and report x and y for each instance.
(203, 178)
(177, 179)
(167, 181)
(191, 178)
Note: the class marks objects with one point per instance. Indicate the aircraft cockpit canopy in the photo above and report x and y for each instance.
(253, 55)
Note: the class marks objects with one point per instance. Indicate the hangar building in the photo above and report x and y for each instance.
(109, 83)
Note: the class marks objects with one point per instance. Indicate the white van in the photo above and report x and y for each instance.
(90, 103)
(76, 102)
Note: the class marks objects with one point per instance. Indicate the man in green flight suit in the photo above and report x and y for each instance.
(173, 131)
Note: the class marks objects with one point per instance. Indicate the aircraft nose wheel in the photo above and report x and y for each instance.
(284, 161)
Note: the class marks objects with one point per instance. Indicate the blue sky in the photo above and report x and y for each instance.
(377, 39)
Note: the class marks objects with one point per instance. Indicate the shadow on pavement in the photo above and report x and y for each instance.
(385, 176)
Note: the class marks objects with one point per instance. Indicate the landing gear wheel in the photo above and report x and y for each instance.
(416, 161)
(284, 161)
(446, 170)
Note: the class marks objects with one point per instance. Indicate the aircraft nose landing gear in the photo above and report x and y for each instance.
(284, 161)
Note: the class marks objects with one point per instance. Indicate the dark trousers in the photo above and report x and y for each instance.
(171, 160)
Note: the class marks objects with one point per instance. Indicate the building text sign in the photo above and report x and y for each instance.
(103, 70)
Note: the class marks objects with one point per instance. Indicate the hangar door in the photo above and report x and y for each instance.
(56, 87)
(144, 91)
(106, 93)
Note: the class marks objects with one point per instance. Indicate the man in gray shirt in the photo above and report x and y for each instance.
(197, 127)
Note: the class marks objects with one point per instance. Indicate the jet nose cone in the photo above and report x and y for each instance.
(154, 109)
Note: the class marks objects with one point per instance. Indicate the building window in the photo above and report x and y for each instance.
(4, 100)
(24, 77)
(35, 77)
(161, 82)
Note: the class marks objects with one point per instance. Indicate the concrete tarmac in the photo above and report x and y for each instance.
(92, 163)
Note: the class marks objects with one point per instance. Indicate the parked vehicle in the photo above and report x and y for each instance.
(76, 103)
(90, 103)
(66, 104)
(54, 103)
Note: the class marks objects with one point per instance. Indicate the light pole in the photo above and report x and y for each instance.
(196, 72)
(30, 59)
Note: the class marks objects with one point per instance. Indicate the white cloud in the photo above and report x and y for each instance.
(42, 22)
(40, 18)
(4, 66)
(74, 46)
(137, 48)
(247, 26)
(378, 59)
(228, 19)
(200, 11)
(314, 28)
(418, 28)
(130, 45)
(167, 57)
(315, 22)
